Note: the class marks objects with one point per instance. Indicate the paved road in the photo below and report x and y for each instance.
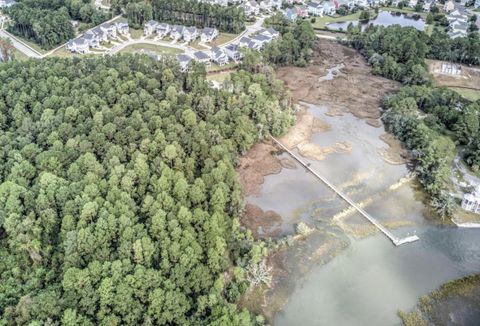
(20, 46)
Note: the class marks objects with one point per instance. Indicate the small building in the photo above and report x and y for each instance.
(449, 6)
(79, 45)
(110, 30)
(250, 8)
(176, 32)
(315, 9)
(190, 34)
(163, 30)
(329, 8)
(476, 4)
(208, 34)
(261, 40)
(233, 52)
(123, 28)
(150, 27)
(183, 61)
(202, 57)
(218, 56)
(92, 40)
(471, 202)
(99, 35)
(291, 14)
(269, 32)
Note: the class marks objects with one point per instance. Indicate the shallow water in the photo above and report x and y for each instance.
(384, 18)
(369, 281)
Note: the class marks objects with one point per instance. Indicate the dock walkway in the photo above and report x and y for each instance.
(396, 241)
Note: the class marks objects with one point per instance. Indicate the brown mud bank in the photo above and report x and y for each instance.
(353, 90)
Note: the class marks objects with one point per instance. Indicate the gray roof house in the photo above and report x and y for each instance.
(79, 45)
(190, 34)
(176, 32)
(208, 34)
(233, 52)
(202, 57)
(163, 30)
(150, 27)
(123, 28)
(218, 56)
(183, 61)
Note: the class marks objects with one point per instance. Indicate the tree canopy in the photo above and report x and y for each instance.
(119, 200)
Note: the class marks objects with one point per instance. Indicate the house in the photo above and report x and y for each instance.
(183, 61)
(315, 9)
(471, 202)
(269, 32)
(190, 34)
(457, 16)
(412, 3)
(149, 27)
(458, 29)
(250, 8)
(202, 57)
(98, 34)
(261, 40)
(301, 11)
(476, 4)
(6, 3)
(449, 6)
(208, 34)
(176, 32)
(109, 30)
(79, 45)
(123, 28)
(266, 5)
(233, 52)
(427, 6)
(92, 40)
(163, 30)
(329, 8)
(291, 14)
(218, 56)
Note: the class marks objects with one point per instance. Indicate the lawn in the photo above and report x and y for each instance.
(223, 38)
(469, 94)
(320, 22)
(403, 10)
(134, 48)
(219, 77)
(20, 56)
(214, 67)
(136, 33)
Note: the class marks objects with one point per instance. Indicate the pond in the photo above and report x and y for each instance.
(384, 18)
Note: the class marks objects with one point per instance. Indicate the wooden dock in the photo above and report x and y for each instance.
(396, 241)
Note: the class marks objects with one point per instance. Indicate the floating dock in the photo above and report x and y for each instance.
(396, 241)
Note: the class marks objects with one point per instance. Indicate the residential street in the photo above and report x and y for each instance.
(20, 46)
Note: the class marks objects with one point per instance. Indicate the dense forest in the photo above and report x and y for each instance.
(430, 121)
(295, 47)
(433, 122)
(229, 19)
(48, 22)
(119, 200)
(399, 52)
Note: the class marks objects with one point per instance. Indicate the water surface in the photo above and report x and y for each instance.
(384, 18)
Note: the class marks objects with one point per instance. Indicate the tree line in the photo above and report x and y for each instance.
(48, 23)
(119, 199)
(229, 19)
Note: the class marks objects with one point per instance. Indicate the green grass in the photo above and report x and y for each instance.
(134, 48)
(320, 22)
(136, 33)
(469, 94)
(403, 10)
(20, 56)
(219, 77)
(223, 38)
(214, 67)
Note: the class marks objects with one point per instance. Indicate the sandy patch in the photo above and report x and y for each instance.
(395, 154)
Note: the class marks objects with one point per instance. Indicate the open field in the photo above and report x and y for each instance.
(469, 94)
(219, 77)
(134, 48)
(223, 38)
(466, 82)
(320, 22)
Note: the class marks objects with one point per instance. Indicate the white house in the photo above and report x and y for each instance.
(150, 27)
(251, 8)
(79, 45)
(190, 34)
(176, 32)
(329, 8)
(315, 9)
(218, 56)
(471, 202)
(449, 6)
(98, 34)
(6, 3)
(233, 53)
(92, 40)
(123, 28)
(110, 30)
(183, 61)
(476, 4)
(163, 30)
(269, 32)
(412, 3)
(208, 34)
(202, 57)
(261, 40)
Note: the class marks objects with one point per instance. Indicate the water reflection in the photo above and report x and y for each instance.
(384, 18)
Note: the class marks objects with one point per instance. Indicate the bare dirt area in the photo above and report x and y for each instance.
(353, 90)
(454, 75)
(262, 224)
